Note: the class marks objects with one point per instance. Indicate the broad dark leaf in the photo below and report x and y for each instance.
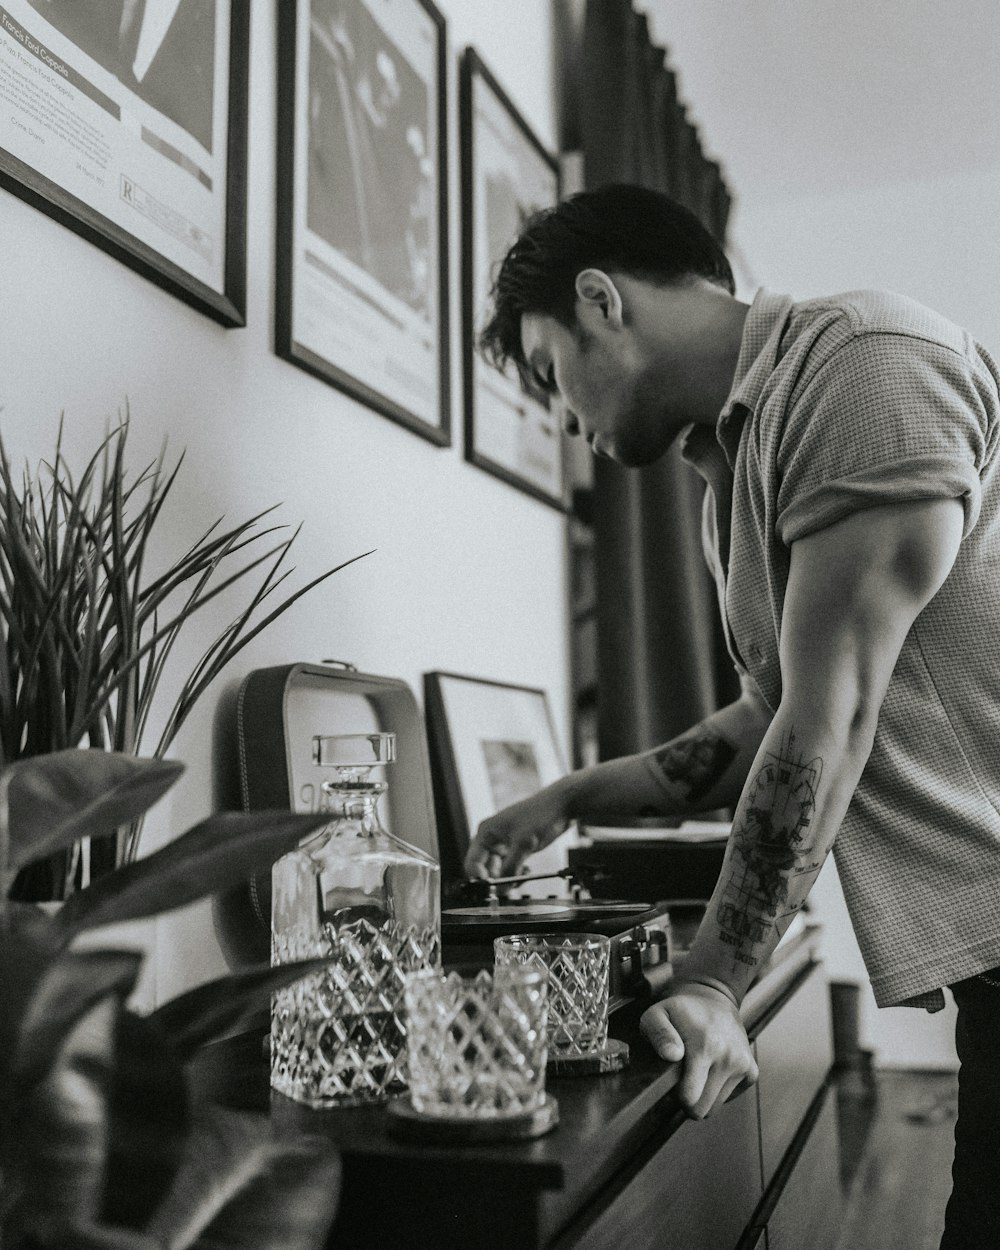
(54, 1140)
(291, 1207)
(70, 987)
(27, 945)
(149, 1118)
(89, 1236)
(207, 1011)
(216, 853)
(57, 799)
(226, 1152)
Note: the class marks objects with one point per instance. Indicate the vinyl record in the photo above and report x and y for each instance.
(536, 908)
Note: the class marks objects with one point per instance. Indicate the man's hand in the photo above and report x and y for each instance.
(701, 1026)
(699, 770)
(505, 840)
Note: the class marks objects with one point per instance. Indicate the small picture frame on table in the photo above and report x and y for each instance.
(491, 744)
(362, 247)
(511, 430)
(128, 124)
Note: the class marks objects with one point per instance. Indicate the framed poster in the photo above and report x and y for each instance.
(491, 743)
(126, 120)
(510, 428)
(362, 289)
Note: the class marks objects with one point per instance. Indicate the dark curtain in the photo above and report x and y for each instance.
(661, 659)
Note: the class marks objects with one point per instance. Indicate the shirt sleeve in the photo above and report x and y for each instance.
(887, 419)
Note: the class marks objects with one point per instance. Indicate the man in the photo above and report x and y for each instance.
(851, 447)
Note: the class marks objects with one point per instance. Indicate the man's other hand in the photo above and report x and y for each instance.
(701, 1026)
(504, 841)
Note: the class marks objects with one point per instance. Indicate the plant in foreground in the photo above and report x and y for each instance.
(102, 1143)
(86, 628)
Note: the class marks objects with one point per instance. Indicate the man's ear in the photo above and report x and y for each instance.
(599, 296)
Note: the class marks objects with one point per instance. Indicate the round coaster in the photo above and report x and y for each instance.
(613, 1058)
(448, 1130)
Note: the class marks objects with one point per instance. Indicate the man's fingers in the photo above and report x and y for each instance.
(510, 865)
(741, 1085)
(735, 1086)
(661, 1034)
(702, 1094)
(502, 859)
(495, 861)
(695, 1092)
(506, 839)
(485, 857)
(710, 1038)
(477, 862)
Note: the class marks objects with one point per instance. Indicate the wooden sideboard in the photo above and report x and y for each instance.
(624, 1167)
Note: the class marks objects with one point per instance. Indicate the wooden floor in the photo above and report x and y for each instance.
(896, 1151)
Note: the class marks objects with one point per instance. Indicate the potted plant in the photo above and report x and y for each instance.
(87, 626)
(102, 1142)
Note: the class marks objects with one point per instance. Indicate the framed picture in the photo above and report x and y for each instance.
(510, 429)
(362, 289)
(491, 744)
(127, 122)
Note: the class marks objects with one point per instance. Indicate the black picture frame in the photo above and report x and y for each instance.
(506, 172)
(490, 743)
(104, 141)
(362, 292)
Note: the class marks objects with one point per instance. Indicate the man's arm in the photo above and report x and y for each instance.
(854, 590)
(700, 770)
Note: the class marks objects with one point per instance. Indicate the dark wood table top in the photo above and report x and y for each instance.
(603, 1120)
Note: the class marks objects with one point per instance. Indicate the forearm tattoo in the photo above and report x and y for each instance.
(692, 765)
(768, 851)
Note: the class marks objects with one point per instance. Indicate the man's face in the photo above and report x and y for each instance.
(610, 390)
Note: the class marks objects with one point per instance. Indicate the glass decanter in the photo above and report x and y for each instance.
(370, 902)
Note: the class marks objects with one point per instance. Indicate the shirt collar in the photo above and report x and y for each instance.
(762, 331)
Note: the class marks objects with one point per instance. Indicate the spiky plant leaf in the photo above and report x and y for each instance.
(222, 849)
(88, 631)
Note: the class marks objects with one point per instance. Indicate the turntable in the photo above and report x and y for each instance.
(476, 912)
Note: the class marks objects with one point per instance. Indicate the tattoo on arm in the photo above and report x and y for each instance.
(768, 852)
(694, 763)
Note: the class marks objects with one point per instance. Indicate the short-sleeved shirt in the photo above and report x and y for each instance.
(841, 404)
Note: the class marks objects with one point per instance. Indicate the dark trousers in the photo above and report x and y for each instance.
(972, 1221)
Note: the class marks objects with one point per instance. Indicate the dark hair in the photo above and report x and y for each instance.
(619, 228)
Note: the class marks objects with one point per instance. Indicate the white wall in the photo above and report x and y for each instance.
(468, 574)
(933, 239)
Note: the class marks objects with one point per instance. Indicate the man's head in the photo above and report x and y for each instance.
(599, 300)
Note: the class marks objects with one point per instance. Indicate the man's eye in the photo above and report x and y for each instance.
(544, 382)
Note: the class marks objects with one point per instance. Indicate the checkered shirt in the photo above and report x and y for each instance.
(840, 404)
